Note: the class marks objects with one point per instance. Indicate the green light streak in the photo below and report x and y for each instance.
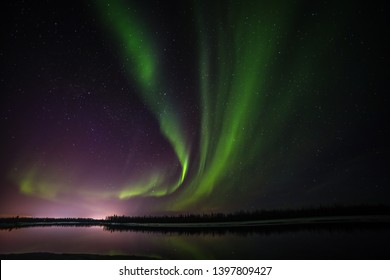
(147, 187)
(233, 75)
(136, 47)
(141, 57)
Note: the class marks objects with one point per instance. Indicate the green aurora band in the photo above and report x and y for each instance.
(234, 65)
(234, 62)
(140, 56)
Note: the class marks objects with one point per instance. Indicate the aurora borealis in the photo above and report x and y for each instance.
(138, 107)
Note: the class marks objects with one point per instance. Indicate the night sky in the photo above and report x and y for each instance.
(140, 107)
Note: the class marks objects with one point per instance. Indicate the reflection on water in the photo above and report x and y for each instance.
(370, 243)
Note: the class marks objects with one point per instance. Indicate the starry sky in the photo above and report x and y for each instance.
(148, 107)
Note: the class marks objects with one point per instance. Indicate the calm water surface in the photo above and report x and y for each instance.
(303, 244)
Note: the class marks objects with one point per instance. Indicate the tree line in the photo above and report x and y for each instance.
(238, 216)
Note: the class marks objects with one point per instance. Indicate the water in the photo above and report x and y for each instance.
(297, 244)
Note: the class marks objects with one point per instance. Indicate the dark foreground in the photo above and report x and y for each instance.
(342, 233)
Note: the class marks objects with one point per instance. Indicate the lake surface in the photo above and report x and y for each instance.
(296, 244)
